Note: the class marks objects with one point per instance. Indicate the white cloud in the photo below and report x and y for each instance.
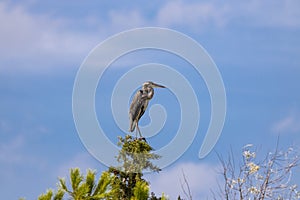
(119, 21)
(201, 178)
(29, 40)
(11, 152)
(201, 15)
(16, 138)
(194, 15)
(269, 13)
(288, 124)
(40, 41)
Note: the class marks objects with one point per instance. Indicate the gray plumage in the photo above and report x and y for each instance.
(139, 104)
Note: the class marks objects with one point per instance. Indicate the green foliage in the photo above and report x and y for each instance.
(85, 187)
(46, 196)
(140, 191)
(122, 182)
(163, 197)
(253, 179)
(49, 195)
(103, 185)
(135, 155)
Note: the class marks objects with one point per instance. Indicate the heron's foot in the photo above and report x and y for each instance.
(142, 138)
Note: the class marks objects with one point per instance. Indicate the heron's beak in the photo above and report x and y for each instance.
(157, 85)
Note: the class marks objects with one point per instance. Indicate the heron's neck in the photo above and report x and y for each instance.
(149, 92)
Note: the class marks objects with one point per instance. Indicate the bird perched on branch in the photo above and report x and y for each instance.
(139, 104)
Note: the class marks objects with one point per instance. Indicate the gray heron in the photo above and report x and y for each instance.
(139, 104)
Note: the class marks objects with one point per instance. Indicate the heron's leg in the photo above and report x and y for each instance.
(136, 132)
(137, 127)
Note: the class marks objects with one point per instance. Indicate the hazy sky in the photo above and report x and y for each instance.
(255, 44)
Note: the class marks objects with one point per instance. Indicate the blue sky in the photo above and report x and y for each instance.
(255, 45)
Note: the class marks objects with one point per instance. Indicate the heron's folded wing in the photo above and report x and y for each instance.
(135, 108)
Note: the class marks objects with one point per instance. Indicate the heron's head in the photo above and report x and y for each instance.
(152, 85)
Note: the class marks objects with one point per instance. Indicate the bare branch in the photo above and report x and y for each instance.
(268, 178)
(185, 186)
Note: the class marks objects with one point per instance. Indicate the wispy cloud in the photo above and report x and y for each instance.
(201, 15)
(11, 152)
(122, 20)
(37, 41)
(201, 177)
(195, 15)
(269, 13)
(288, 124)
(15, 142)
(41, 41)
